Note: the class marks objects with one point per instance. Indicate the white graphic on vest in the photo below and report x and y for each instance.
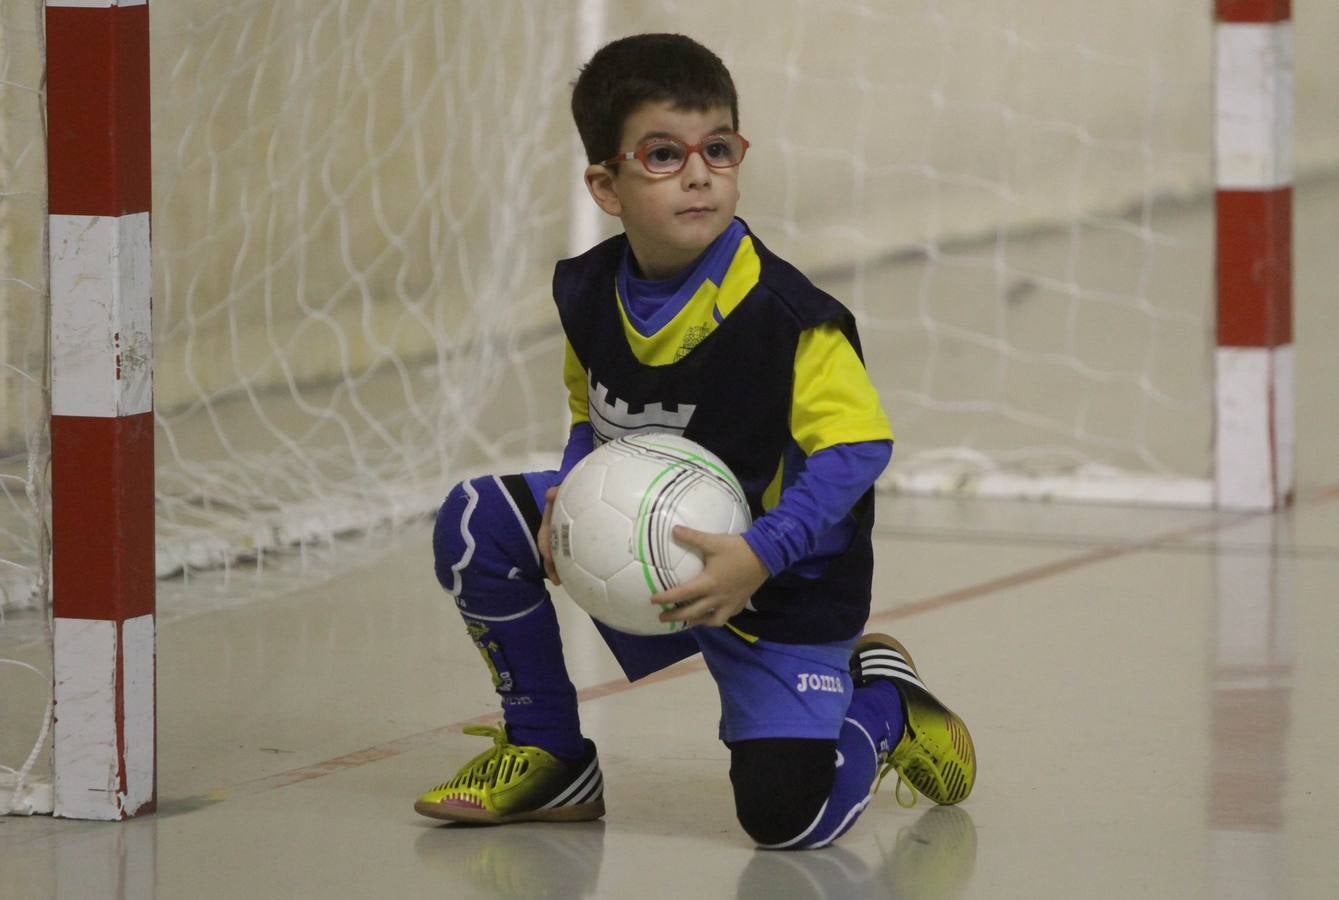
(611, 418)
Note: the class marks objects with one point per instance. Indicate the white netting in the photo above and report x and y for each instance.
(357, 207)
(360, 211)
(1016, 198)
(25, 655)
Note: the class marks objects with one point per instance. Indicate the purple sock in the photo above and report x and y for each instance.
(486, 559)
(525, 657)
(874, 722)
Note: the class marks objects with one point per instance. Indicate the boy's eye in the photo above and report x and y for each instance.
(717, 149)
(663, 154)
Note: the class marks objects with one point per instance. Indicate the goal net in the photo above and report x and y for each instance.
(356, 208)
(25, 656)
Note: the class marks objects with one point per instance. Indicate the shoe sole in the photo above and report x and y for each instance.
(581, 812)
(957, 762)
(958, 765)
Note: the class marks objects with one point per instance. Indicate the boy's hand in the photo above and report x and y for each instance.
(545, 527)
(731, 572)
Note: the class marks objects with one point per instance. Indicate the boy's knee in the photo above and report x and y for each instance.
(484, 551)
(449, 532)
(780, 785)
(477, 530)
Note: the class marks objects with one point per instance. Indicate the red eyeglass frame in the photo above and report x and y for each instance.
(639, 153)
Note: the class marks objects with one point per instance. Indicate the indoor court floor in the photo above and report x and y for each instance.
(1152, 694)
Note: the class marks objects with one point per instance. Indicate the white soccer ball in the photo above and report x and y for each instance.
(613, 522)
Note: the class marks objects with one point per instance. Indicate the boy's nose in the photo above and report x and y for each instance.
(696, 172)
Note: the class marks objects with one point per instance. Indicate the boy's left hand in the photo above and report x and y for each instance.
(731, 572)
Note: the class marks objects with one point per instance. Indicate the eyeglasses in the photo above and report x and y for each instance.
(665, 156)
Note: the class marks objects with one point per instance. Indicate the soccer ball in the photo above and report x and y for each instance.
(613, 520)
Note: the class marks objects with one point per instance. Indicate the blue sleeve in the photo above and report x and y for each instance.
(819, 501)
(580, 442)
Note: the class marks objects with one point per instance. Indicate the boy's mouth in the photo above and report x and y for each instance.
(696, 210)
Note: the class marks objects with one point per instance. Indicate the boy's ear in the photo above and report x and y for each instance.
(600, 183)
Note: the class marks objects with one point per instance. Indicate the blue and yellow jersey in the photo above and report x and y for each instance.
(832, 400)
(750, 359)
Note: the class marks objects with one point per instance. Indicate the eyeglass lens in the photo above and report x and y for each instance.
(666, 155)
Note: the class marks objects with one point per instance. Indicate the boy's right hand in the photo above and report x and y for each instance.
(545, 528)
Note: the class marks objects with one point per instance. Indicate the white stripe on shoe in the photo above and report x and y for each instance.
(592, 792)
(888, 663)
(579, 791)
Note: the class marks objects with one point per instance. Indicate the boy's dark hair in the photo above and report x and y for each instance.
(645, 68)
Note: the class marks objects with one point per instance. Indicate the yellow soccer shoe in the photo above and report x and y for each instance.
(513, 783)
(935, 755)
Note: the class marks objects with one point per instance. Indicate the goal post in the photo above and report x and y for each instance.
(1255, 363)
(102, 442)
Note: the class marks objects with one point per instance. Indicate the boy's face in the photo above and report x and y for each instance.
(669, 219)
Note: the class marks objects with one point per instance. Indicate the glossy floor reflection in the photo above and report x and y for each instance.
(1151, 692)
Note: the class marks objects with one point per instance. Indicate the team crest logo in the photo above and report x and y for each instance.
(613, 418)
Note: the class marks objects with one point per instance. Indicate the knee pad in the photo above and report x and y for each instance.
(781, 785)
(447, 533)
(484, 550)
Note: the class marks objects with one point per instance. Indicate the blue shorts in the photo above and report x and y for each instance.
(771, 690)
(767, 689)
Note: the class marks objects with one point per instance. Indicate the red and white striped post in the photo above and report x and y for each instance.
(1254, 432)
(101, 407)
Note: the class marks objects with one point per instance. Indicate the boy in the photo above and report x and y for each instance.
(686, 323)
